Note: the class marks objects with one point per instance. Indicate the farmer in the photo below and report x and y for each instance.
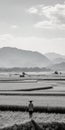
(30, 109)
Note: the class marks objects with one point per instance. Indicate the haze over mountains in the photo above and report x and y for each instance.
(13, 57)
(59, 67)
(57, 61)
(52, 56)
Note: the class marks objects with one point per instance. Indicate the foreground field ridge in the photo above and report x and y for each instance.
(32, 125)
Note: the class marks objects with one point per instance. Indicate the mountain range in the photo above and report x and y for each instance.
(13, 57)
(59, 67)
(52, 56)
(57, 61)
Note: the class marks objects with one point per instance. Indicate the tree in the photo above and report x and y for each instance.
(56, 72)
(23, 74)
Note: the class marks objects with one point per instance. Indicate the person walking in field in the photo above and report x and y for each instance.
(30, 109)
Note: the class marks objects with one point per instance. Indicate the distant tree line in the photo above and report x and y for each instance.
(18, 69)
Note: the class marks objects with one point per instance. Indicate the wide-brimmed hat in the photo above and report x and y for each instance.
(31, 101)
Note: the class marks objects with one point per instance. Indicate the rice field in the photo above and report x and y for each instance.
(11, 94)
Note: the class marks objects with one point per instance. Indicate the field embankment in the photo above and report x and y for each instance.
(31, 89)
(42, 109)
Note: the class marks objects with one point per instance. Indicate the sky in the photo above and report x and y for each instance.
(37, 25)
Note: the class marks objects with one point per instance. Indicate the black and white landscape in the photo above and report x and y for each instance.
(32, 64)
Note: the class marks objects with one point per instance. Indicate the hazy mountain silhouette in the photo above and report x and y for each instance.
(13, 57)
(52, 56)
(58, 60)
(60, 66)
